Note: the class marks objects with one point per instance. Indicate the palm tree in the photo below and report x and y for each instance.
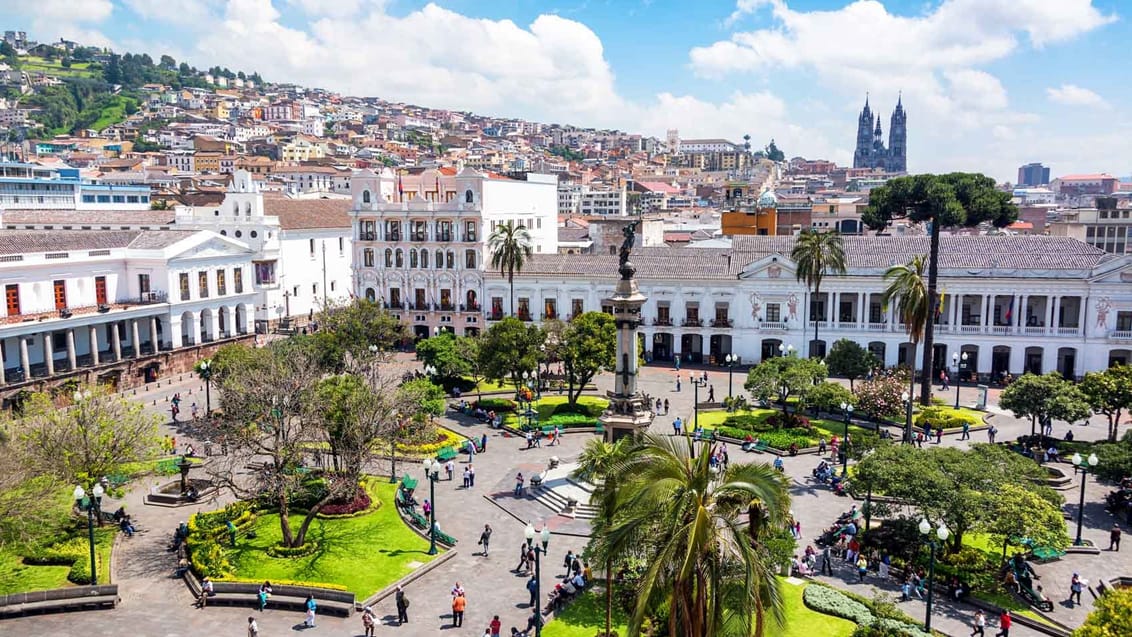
(913, 304)
(598, 465)
(510, 247)
(683, 517)
(816, 253)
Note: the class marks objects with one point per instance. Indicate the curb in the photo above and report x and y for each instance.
(408, 579)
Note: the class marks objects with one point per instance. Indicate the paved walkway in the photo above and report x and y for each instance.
(156, 605)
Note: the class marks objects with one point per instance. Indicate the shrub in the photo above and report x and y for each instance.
(947, 417)
(755, 422)
(833, 602)
(593, 410)
(828, 396)
(568, 420)
(889, 628)
(360, 502)
(499, 405)
(880, 397)
(784, 420)
(286, 552)
(207, 558)
(782, 438)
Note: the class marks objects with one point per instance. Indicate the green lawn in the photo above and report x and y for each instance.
(803, 622)
(821, 427)
(365, 554)
(33, 64)
(584, 617)
(548, 404)
(112, 114)
(19, 576)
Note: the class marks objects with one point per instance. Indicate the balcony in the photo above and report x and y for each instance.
(470, 307)
(1034, 331)
(444, 236)
(471, 238)
(495, 316)
(1068, 331)
(418, 236)
(447, 307)
(692, 322)
(721, 322)
(395, 305)
(550, 316)
(1120, 335)
(393, 236)
(524, 316)
(773, 325)
(665, 321)
(876, 327)
(821, 324)
(970, 329)
(367, 236)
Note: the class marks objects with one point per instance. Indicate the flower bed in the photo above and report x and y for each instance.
(360, 502)
(947, 417)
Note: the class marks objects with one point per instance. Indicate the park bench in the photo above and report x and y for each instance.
(1041, 554)
(59, 599)
(445, 539)
(330, 602)
(759, 447)
(447, 453)
(1033, 598)
(418, 519)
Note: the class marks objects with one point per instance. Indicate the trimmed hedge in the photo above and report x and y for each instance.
(832, 602)
(499, 405)
(947, 417)
(308, 548)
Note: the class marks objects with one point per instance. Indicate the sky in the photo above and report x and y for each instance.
(988, 85)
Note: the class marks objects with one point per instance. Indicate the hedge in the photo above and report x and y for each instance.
(832, 602)
(499, 405)
(947, 417)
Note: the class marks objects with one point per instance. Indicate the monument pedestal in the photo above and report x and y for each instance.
(629, 410)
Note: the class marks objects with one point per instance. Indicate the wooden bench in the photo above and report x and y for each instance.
(445, 539)
(759, 447)
(1034, 599)
(330, 602)
(447, 453)
(418, 518)
(59, 599)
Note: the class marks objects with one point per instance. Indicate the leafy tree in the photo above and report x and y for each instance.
(772, 152)
(954, 199)
(184, 69)
(847, 358)
(1109, 393)
(355, 410)
(510, 247)
(1111, 616)
(781, 377)
(168, 63)
(469, 348)
(880, 397)
(441, 352)
(588, 346)
(1013, 511)
(509, 348)
(828, 396)
(708, 572)
(598, 465)
(907, 287)
(427, 398)
(1044, 398)
(816, 253)
(360, 324)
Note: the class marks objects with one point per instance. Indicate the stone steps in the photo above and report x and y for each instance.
(557, 502)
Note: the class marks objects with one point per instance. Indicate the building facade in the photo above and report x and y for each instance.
(31, 186)
(1033, 174)
(1011, 304)
(871, 151)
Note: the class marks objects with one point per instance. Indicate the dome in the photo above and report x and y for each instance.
(768, 199)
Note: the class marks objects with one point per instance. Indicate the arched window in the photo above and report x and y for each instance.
(236, 208)
(413, 258)
(451, 259)
(468, 197)
(365, 196)
(389, 257)
(439, 259)
(248, 209)
(371, 295)
(472, 301)
(424, 258)
(400, 258)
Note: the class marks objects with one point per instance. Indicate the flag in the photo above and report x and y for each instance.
(939, 306)
(400, 187)
(438, 186)
(1010, 311)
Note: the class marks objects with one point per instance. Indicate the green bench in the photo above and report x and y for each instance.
(1034, 599)
(418, 519)
(447, 453)
(599, 428)
(760, 447)
(444, 538)
(408, 483)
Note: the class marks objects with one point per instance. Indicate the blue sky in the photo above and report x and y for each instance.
(988, 84)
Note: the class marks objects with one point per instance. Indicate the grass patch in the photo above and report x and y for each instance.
(113, 113)
(34, 64)
(803, 622)
(365, 553)
(585, 617)
(20, 575)
(557, 406)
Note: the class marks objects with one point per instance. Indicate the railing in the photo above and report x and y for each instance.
(773, 325)
(367, 236)
(692, 322)
(471, 307)
(550, 316)
(418, 236)
(495, 316)
(1002, 329)
(662, 321)
(970, 329)
(471, 238)
(524, 316)
(721, 322)
(447, 307)
(1034, 331)
(821, 324)
(1068, 331)
(847, 325)
(1121, 335)
(877, 327)
(146, 298)
(393, 236)
(444, 237)
(394, 306)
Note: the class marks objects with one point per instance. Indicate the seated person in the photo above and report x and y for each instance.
(578, 581)
(751, 444)
(190, 451)
(698, 434)
(1052, 454)
(206, 591)
(1011, 581)
(127, 526)
(796, 566)
(120, 513)
(191, 494)
(568, 588)
(1041, 595)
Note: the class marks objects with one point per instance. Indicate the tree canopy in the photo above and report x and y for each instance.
(781, 377)
(1111, 616)
(359, 324)
(588, 345)
(816, 254)
(847, 358)
(509, 348)
(1044, 398)
(443, 354)
(1109, 393)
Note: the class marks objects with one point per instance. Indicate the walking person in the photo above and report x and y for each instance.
(826, 562)
(992, 431)
(519, 485)
(402, 606)
(980, 624)
(1114, 538)
(450, 469)
(253, 627)
(467, 477)
(485, 538)
(471, 476)
(665, 406)
(311, 607)
(495, 627)
(966, 431)
(459, 603)
(1004, 621)
(1076, 585)
(676, 425)
(677, 385)
(532, 588)
(369, 622)
(943, 386)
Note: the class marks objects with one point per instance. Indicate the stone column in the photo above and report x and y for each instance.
(988, 310)
(153, 334)
(94, 344)
(115, 341)
(49, 353)
(25, 360)
(136, 338)
(1054, 319)
(196, 331)
(174, 332)
(71, 349)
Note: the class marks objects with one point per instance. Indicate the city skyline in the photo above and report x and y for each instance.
(796, 71)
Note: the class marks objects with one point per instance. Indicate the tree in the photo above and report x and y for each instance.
(1043, 399)
(359, 324)
(709, 572)
(954, 199)
(816, 253)
(441, 353)
(913, 305)
(588, 346)
(355, 409)
(847, 358)
(1013, 512)
(509, 348)
(598, 465)
(772, 152)
(880, 397)
(510, 247)
(168, 63)
(92, 436)
(1111, 616)
(781, 377)
(1109, 393)
(469, 348)
(828, 396)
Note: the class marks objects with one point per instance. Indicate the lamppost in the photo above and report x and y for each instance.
(846, 409)
(432, 474)
(1082, 466)
(730, 359)
(544, 537)
(785, 350)
(92, 506)
(907, 398)
(697, 382)
(204, 370)
(942, 533)
(955, 358)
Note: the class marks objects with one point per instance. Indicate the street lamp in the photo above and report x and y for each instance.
(730, 359)
(847, 409)
(697, 382)
(907, 398)
(1082, 466)
(432, 474)
(544, 538)
(942, 533)
(955, 358)
(204, 370)
(92, 506)
(785, 350)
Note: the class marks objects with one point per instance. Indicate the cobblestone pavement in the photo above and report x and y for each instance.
(155, 604)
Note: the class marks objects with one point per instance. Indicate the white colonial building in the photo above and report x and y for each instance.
(1011, 304)
(421, 239)
(90, 300)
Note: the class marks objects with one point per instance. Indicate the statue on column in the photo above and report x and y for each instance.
(630, 232)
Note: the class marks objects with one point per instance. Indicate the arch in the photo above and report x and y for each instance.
(969, 369)
(1067, 362)
(400, 258)
(389, 257)
(235, 209)
(366, 198)
(1000, 360)
(769, 348)
(248, 209)
(470, 299)
(413, 260)
(471, 331)
(1119, 357)
(439, 259)
(940, 358)
(188, 328)
(225, 323)
(371, 295)
(469, 197)
(241, 319)
(719, 345)
(906, 355)
(662, 346)
(450, 257)
(877, 348)
(424, 259)
(206, 333)
(817, 348)
(692, 348)
(1032, 361)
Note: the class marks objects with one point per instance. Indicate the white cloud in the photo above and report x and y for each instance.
(1073, 95)
(68, 19)
(179, 11)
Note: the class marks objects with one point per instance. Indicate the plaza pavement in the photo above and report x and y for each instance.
(154, 604)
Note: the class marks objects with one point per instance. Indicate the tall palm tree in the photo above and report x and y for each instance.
(816, 253)
(598, 465)
(683, 517)
(510, 247)
(907, 286)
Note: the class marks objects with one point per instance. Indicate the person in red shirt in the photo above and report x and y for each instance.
(495, 626)
(1004, 624)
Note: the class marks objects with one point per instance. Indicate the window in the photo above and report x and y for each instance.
(692, 312)
(367, 258)
(100, 290)
(341, 243)
(395, 297)
(312, 247)
(333, 285)
(265, 272)
(577, 308)
(470, 259)
(419, 301)
(468, 197)
(365, 196)
(424, 258)
(721, 313)
(773, 312)
(444, 231)
(550, 308)
(400, 258)
(12, 298)
(202, 284)
(143, 284)
(314, 289)
(184, 285)
(663, 314)
(446, 299)
(60, 295)
(412, 258)
(497, 307)
(524, 308)
(221, 283)
(451, 260)
(1124, 321)
(470, 231)
(389, 257)
(238, 280)
(607, 309)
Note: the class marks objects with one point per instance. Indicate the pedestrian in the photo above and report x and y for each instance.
(534, 620)
(193, 411)
(532, 588)
(369, 622)
(471, 476)
(263, 595)
(821, 446)
(862, 568)
(678, 384)
(231, 532)
(426, 506)
(943, 386)
(939, 435)
(665, 406)
(676, 425)
(569, 561)
(483, 443)
(485, 538)
(253, 628)
(705, 375)
(658, 405)
(1076, 585)
(402, 606)
(557, 436)
(1004, 621)
(311, 607)
(906, 590)
(450, 469)
(882, 569)
(991, 432)
(459, 603)
(710, 393)
(826, 562)
(495, 627)
(966, 431)
(1114, 538)
(677, 365)
(980, 623)
(467, 477)
(457, 590)
(519, 485)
